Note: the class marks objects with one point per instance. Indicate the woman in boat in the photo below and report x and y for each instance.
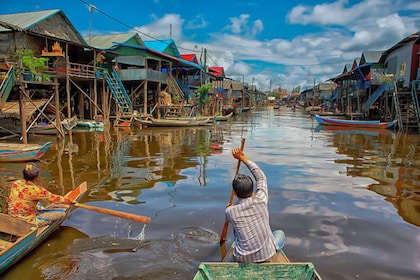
(25, 195)
(254, 240)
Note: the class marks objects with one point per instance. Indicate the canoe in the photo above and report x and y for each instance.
(51, 129)
(232, 271)
(90, 124)
(222, 118)
(171, 123)
(227, 269)
(202, 118)
(17, 152)
(353, 123)
(19, 237)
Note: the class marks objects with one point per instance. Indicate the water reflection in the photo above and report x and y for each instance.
(391, 159)
(333, 192)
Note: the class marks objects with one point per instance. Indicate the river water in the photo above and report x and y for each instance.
(348, 200)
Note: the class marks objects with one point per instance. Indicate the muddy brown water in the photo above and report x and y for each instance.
(348, 200)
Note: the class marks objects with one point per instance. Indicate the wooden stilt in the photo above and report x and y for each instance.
(22, 104)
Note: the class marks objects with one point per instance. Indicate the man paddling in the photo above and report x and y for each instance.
(25, 195)
(254, 240)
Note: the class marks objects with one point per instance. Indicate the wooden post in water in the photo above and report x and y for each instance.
(57, 110)
(22, 111)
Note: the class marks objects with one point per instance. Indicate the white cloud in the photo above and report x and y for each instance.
(197, 23)
(169, 26)
(240, 25)
(344, 30)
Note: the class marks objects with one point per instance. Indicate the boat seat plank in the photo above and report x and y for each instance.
(5, 244)
(14, 226)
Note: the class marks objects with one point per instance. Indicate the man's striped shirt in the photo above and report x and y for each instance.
(250, 220)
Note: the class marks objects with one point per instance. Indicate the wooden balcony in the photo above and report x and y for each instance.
(141, 75)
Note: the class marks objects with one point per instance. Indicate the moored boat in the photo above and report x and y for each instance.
(149, 121)
(19, 237)
(90, 123)
(354, 123)
(217, 118)
(18, 152)
(222, 117)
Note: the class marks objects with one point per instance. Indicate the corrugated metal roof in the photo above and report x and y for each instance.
(370, 57)
(233, 85)
(217, 71)
(190, 57)
(162, 54)
(164, 46)
(109, 41)
(26, 20)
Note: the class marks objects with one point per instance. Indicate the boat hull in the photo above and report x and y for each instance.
(14, 152)
(28, 236)
(171, 123)
(352, 123)
(90, 124)
(224, 270)
(281, 269)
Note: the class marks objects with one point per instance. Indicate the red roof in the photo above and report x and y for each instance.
(217, 71)
(191, 57)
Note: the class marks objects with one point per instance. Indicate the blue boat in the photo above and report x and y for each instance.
(19, 237)
(17, 152)
(353, 123)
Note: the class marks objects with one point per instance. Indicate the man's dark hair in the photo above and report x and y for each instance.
(30, 171)
(243, 185)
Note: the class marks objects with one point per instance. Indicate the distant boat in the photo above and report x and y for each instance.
(353, 123)
(222, 118)
(202, 118)
(17, 152)
(51, 129)
(149, 121)
(90, 123)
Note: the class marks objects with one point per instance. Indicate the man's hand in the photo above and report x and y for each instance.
(239, 155)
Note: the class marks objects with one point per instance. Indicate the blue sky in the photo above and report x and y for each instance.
(265, 42)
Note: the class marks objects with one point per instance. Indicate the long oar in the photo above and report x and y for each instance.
(232, 196)
(133, 217)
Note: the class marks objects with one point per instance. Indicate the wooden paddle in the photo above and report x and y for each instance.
(232, 196)
(128, 216)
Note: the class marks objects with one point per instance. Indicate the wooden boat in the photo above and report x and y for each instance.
(17, 152)
(227, 269)
(353, 123)
(222, 118)
(202, 118)
(90, 123)
(149, 121)
(19, 237)
(51, 129)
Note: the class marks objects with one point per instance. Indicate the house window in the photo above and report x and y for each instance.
(402, 69)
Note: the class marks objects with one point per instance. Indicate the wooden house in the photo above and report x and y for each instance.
(146, 72)
(384, 85)
(341, 97)
(70, 75)
(402, 60)
(402, 64)
(217, 78)
(234, 101)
